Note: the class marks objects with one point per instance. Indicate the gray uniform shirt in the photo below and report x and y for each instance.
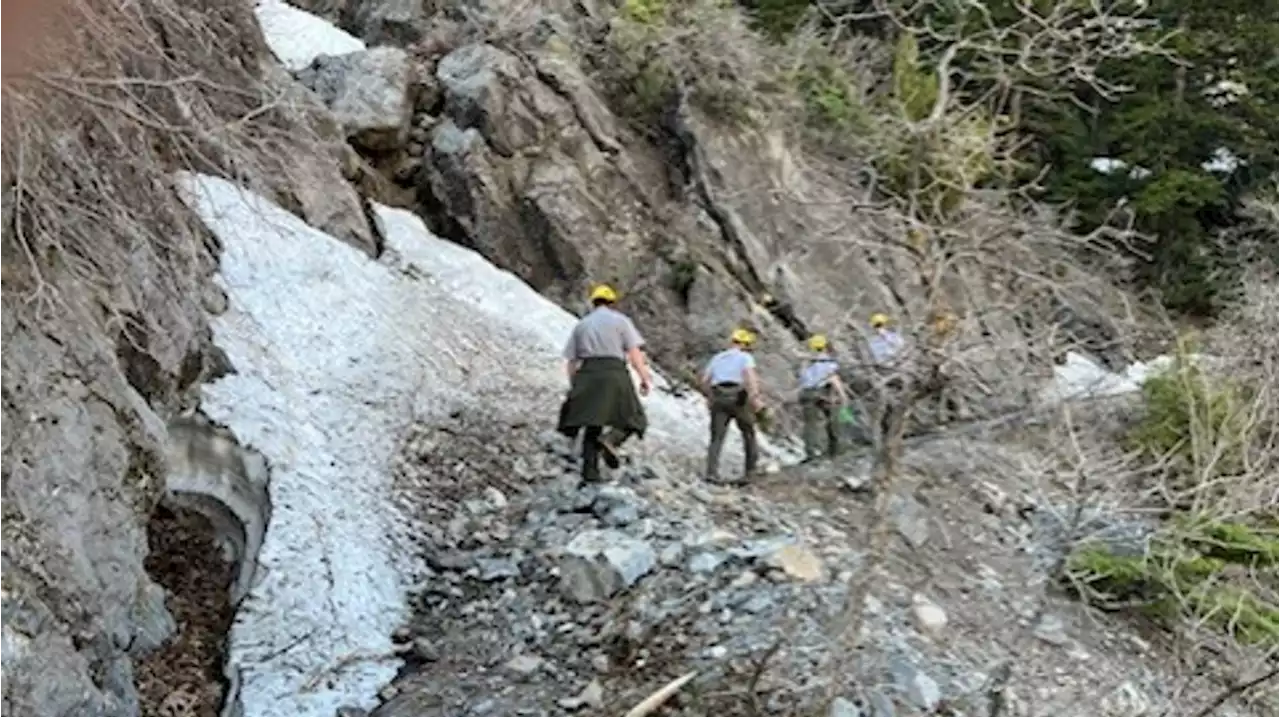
(603, 333)
(729, 366)
(818, 372)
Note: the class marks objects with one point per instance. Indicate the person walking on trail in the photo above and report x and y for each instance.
(886, 351)
(601, 395)
(886, 343)
(732, 387)
(822, 395)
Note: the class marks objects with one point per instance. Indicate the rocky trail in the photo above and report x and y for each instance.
(546, 596)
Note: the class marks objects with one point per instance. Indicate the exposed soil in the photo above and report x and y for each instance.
(184, 678)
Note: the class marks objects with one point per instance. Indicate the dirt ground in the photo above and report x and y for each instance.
(184, 678)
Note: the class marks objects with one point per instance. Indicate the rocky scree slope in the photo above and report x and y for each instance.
(546, 596)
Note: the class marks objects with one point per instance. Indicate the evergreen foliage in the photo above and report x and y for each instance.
(1187, 134)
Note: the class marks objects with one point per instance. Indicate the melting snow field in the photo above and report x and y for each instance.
(335, 356)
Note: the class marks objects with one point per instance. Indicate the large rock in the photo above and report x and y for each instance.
(314, 179)
(489, 89)
(391, 22)
(368, 93)
(598, 564)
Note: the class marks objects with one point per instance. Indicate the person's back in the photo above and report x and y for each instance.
(729, 367)
(818, 371)
(885, 346)
(601, 394)
(602, 333)
(733, 393)
(821, 394)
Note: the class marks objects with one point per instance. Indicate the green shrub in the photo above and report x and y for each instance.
(706, 42)
(1188, 572)
(645, 12)
(777, 19)
(1196, 423)
(829, 96)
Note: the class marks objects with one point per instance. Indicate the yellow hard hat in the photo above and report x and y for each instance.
(879, 320)
(604, 292)
(742, 337)
(818, 342)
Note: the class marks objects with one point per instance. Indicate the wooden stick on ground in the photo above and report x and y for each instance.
(655, 700)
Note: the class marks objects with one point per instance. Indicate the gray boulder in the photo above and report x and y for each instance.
(391, 22)
(368, 93)
(598, 564)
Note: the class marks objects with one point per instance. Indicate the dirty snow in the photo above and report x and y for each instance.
(297, 37)
(335, 356)
(1082, 377)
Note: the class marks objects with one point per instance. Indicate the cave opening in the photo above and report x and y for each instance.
(185, 677)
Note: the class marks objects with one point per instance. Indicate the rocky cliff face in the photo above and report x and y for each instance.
(106, 341)
(514, 149)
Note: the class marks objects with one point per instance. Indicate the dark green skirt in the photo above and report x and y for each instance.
(602, 395)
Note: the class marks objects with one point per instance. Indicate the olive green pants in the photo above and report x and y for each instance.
(819, 413)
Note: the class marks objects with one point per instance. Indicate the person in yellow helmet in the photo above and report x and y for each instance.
(822, 395)
(732, 387)
(886, 343)
(601, 394)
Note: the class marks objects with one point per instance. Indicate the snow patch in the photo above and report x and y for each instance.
(297, 37)
(1222, 161)
(1082, 377)
(1111, 165)
(336, 356)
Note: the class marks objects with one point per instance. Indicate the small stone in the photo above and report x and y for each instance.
(671, 555)
(616, 506)
(524, 664)
(402, 634)
(756, 604)
(841, 707)
(450, 561)
(591, 696)
(717, 652)
(388, 693)
(1051, 629)
(704, 563)
(798, 562)
(929, 617)
(920, 688)
(857, 483)
(1126, 701)
(601, 563)
(754, 549)
(910, 519)
(425, 650)
(495, 497)
(880, 703)
(494, 569)
(600, 662)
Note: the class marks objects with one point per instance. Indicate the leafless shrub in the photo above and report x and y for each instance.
(127, 95)
(988, 285)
